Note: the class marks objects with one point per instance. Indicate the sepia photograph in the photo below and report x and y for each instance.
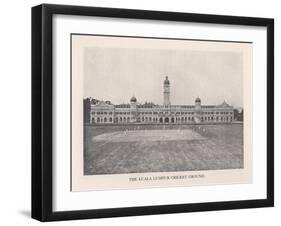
(162, 110)
(162, 106)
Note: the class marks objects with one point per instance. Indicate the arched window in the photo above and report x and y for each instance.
(105, 120)
(110, 119)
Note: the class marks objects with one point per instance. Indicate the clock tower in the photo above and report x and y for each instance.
(166, 92)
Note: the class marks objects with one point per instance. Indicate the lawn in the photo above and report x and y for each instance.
(156, 148)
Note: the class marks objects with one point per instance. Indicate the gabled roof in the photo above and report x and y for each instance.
(103, 104)
(224, 105)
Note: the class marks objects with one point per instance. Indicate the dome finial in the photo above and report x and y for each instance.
(133, 99)
(166, 81)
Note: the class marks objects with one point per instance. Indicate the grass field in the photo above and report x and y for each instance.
(121, 149)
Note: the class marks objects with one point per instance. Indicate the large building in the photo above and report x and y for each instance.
(104, 112)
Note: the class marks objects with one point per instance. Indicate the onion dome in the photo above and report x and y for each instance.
(133, 99)
(166, 81)
(197, 100)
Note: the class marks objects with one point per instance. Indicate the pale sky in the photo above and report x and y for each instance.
(117, 74)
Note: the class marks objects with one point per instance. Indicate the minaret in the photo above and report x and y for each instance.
(198, 103)
(167, 92)
(133, 107)
(197, 116)
(133, 103)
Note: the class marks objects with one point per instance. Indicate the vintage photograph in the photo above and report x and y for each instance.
(159, 112)
(149, 110)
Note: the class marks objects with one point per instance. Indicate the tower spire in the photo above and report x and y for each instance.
(166, 93)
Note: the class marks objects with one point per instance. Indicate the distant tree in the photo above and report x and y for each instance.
(94, 101)
(241, 115)
(238, 114)
(87, 110)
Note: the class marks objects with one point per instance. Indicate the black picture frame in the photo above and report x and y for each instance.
(42, 107)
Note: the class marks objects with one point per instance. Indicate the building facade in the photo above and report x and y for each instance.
(104, 112)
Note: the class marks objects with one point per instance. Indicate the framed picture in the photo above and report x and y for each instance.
(146, 112)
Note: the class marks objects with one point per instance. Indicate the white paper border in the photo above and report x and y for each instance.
(64, 199)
